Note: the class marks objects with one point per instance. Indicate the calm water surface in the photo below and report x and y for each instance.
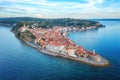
(20, 62)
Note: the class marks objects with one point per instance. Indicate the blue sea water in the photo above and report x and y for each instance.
(21, 62)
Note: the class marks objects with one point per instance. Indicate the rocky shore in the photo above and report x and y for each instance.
(35, 38)
(104, 63)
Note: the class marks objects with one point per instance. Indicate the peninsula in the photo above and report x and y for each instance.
(52, 39)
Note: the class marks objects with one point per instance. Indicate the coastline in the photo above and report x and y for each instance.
(82, 60)
(96, 63)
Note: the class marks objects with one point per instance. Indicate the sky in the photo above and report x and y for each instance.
(60, 8)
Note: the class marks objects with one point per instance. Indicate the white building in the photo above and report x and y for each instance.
(23, 29)
(57, 49)
(62, 50)
(71, 52)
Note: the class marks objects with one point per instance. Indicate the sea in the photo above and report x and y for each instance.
(21, 62)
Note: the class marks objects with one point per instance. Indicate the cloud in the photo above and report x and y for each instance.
(54, 8)
(22, 1)
(95, 1)
(12, 10)
(38, 15)
(2, 8)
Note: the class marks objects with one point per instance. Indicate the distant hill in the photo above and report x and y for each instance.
(45, 22)
(13, 20)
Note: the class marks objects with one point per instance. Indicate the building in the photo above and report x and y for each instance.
(71, 52)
